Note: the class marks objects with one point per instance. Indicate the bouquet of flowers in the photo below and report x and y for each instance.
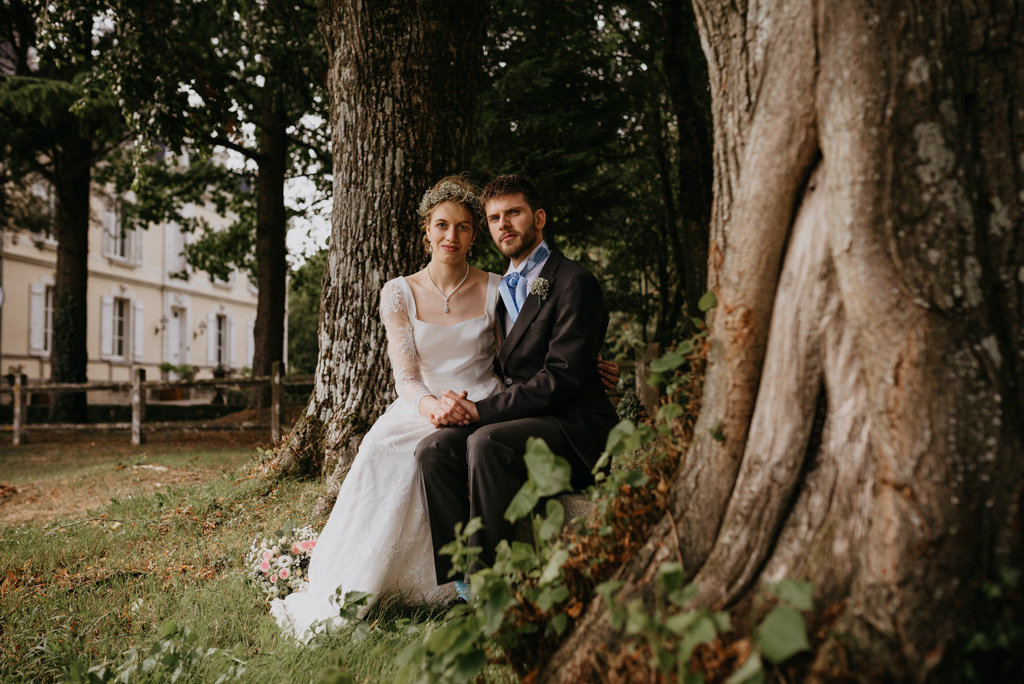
(278, 565)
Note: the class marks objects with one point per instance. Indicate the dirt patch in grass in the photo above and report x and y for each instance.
(63, 475)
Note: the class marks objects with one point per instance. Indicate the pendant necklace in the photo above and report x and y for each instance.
(446, 296)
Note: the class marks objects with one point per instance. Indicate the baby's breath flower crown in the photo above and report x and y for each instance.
(447, 190)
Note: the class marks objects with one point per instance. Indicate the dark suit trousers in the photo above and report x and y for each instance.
(476, 471)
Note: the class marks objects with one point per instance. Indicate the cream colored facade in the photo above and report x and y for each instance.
(139, 316)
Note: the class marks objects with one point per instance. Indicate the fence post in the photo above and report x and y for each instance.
(17, 408)
(138, 407)
(648, 396)
(275, 399)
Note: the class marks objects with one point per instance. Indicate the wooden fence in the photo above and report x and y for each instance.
(138, 387)
(139, 384)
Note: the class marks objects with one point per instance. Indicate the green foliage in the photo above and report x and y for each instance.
(716, 431)
(991, 641)
(708, 301)
(672, 629)
(548, 475)
(174, 655)
(260, 87)
(577, 98)
(457, 651)
(304, 291)
(670, 632)
(629, 407)
(56, 126)
(782, 634)
(526, 597)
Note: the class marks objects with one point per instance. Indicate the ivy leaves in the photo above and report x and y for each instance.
(548, 475)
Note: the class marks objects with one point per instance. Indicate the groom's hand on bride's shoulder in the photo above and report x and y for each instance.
(609, 372)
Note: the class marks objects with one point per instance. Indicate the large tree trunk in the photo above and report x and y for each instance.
(271, 243)
(867, 252)
(72, 167)
(403, 83)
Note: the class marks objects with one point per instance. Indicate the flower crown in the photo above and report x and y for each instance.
(451, 191)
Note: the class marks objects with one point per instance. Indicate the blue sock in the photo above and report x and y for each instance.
(462, 589)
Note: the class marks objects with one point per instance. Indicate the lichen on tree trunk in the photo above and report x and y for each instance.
(866, 357)
(69, 360)
(403, 84)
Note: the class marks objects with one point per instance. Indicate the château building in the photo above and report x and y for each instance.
(139, 314)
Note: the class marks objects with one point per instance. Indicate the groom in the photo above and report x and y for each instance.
(552, 321)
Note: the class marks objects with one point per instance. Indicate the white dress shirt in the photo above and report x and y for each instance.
(532, 275)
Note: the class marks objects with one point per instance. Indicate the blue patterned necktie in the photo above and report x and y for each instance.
(516, 287)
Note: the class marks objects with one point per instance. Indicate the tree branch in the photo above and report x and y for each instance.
(246, 152)
(321, 154)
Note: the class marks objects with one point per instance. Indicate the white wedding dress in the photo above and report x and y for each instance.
(377, 539)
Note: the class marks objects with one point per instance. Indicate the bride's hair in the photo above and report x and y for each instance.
(451, 189)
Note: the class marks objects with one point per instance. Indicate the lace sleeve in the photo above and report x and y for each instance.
(405, 362)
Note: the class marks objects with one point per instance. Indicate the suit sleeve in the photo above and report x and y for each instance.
(576, 337)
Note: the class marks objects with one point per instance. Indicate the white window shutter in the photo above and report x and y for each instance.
(109, 227)
(106, 326)
(36, 318)
(211, 339)
(232, 353)
(137, 331)
(137, 247)
(250, 341)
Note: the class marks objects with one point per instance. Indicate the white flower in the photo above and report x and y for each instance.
(540, 287)
(284, 561)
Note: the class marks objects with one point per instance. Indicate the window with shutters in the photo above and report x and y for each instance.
(40, 318)
(120, 244)
(48, 320)
(222, 340)
(46, 200)
(122, 307)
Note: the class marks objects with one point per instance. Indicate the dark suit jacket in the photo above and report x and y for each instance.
(546, 360)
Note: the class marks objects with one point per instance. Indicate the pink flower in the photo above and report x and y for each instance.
(297, 548)
(284, 573)
(267, 555)
(273, 578)
(264, 566)
(312, 543)
(306, 545)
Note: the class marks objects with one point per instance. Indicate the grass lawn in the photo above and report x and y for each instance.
(98, 550)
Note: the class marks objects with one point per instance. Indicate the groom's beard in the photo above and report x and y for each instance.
(522, 244)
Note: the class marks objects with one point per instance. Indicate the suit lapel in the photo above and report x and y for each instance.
(531, 307)
(500, 314)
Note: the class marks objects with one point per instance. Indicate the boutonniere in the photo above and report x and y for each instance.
(540, 288)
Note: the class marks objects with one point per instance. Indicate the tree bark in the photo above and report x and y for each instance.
(403, 82)
(868, 256)
(271, 240)
(72, 172)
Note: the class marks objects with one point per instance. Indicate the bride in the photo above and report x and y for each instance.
(440, 325)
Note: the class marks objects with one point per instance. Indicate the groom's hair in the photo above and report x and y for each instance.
(510, 184)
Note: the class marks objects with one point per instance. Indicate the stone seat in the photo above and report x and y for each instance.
(576, 505)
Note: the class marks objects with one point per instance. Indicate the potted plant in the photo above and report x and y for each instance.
(14, 371)
(219, 373)
(184, 372)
